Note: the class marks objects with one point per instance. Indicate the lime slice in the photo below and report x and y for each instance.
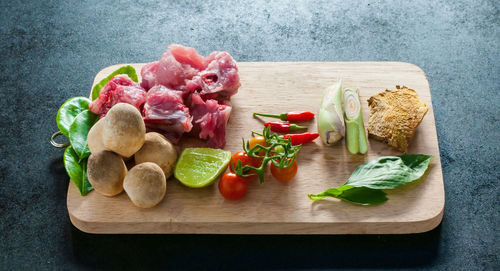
(199, 167)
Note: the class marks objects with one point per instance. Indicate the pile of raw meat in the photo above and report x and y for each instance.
(181, 93)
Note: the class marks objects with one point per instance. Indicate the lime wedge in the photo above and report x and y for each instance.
(199, 167)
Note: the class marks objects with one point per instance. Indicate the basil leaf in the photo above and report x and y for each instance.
(418, 162)
(79, 130)
(77, 171)
(363, 196)
(332, 192)
(358, 195)
(68, 112)
(128, 70)
(388, 172)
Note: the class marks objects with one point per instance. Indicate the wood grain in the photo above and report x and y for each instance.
(274, 207)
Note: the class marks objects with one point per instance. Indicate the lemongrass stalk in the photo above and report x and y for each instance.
(355, 130)
(331, 126)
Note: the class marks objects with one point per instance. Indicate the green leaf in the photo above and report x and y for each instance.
(79, 130)
(332, 192)
(87, 187)
(388, 172)
(363, 196)
(68, 112)
(358, 195)
(128, 70)
(77, 171)
(418, 162)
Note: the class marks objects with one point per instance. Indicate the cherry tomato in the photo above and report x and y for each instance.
(278, 150)
(258, 140)
(232, 186)
(284, 174)
(245, 160)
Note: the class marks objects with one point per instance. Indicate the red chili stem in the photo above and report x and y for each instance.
(283, 127)
(298, 139)
(280, 116)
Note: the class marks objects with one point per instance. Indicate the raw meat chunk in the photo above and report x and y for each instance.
(120, 89)
(218, 79)
(183, 77)
(211, 117)
(176, 65)
(164, 111)
(148, 74)
(187, 55)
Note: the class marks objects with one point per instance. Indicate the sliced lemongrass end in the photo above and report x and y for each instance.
(355, 130)
(331, 127)
(352, 104)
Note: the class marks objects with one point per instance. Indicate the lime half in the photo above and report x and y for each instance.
(199, 167)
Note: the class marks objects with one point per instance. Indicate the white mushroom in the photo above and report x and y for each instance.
(94, 138)
(159, 150)
(106, 171)
(145, 184)
(123, 130)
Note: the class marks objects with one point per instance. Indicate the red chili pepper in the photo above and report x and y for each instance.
(299, 116)
(290, 116)
(298, 139)
(283, 127)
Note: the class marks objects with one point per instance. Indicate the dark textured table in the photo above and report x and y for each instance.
(51, 50)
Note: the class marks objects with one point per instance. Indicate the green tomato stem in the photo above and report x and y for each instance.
(283, 159)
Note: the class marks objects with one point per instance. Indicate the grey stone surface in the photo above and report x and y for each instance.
(51, 50)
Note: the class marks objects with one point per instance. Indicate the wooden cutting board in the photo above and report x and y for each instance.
(278, 208)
